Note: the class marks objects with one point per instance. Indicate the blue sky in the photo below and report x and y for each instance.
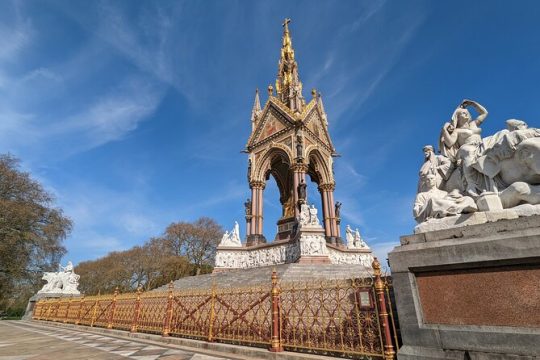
(133, 114)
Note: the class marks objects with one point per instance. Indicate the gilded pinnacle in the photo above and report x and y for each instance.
(288, 85)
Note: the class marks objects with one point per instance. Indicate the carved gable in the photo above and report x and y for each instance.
(273, 122)
(318, 129)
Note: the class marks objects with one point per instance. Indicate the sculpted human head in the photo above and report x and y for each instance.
(463, 116)
(431, 181)
(428, 151)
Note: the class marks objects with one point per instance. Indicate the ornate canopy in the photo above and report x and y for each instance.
(289, 139)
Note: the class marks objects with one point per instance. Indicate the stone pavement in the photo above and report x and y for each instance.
(22, 340)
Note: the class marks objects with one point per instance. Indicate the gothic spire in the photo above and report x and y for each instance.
(321, 106)
(256, 109)
(288, 85)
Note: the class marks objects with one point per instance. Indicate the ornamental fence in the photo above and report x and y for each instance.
(352, 318)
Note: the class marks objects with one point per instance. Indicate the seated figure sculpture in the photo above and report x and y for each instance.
(437, 203)
(437, 165)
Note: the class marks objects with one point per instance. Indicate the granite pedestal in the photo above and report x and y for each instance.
(34, 299)
(470, 292)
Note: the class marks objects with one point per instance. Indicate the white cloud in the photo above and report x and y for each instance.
(96, 122)
(115, 114)
(138, 224)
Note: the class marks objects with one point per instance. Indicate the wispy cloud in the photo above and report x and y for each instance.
(368, 12)
(95, 123)
(347, 86)
(113, 115)
(15, 35)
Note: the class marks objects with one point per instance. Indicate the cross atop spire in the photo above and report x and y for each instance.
(286, 24)
(288, 85)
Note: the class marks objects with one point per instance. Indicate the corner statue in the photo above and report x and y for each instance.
(232, 238)
(504, 166)
(64, 281)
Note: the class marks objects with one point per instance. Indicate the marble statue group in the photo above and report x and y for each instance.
(474, 173)
(64, 281)
(232, 238)
(354, 240)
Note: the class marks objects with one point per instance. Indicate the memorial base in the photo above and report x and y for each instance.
(470, 292)
(34, 299)
(255, 239)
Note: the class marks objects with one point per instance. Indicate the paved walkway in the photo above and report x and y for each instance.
(22, 340)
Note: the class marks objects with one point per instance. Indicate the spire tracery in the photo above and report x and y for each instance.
(288, 85)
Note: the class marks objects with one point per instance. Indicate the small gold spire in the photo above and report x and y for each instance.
(288, 85)
(270, 90)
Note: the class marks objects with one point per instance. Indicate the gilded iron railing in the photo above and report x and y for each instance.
(352, 318)
(331, 316)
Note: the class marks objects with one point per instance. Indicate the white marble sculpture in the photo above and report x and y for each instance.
(232, 239)
(437, 203)
(289, 252)
(475, 173)
(354, 239)
(359, 243)
(309, 242)
(308, 216)
(349, 235)
(64, 281)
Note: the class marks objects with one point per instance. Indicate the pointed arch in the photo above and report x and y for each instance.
(264, 164)
(319, 167)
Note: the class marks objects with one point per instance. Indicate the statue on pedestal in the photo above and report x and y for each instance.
(64, 281)
(308, 216)
(247, 206)
(302, 192)
(337, 209)
(504, 167)
(232, 238)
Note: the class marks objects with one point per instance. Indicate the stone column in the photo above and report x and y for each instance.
(330, 225)
(324, 203)
(332, 209)
(253, 225)
(255, 234)
(260, 209)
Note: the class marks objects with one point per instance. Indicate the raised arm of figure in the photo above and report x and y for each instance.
(483, 113)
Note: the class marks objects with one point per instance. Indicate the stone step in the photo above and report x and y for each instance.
(262, 276)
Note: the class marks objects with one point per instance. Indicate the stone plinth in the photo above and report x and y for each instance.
(470, 292)
(34, 299)
(308, 247)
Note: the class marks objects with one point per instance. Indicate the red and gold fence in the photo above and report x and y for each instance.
(347, 317)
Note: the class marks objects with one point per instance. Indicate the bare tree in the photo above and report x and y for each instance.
(197, 241)
(184, 249)
(31, 231)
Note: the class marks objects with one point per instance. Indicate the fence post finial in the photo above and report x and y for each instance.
(389, 353)
(275, 343)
